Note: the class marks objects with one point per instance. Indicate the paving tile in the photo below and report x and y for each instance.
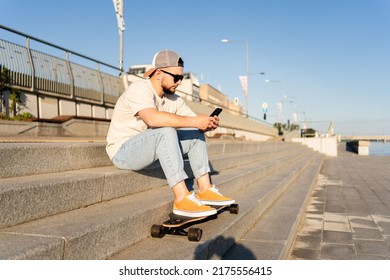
(336, 226)
(336, 217)
(335, 209)
(367, 233)
(304, 254)
(361, 222)
(372, 247)
(338, 252)
(337, 237)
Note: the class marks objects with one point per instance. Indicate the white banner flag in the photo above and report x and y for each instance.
(295, 117)
(279, 105)
(244, 84)
(118, 5)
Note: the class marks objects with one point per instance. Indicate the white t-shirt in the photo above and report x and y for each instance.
(126, 123)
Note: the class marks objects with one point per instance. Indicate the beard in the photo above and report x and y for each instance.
(169, 90)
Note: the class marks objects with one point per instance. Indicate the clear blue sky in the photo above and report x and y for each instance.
(330, 57)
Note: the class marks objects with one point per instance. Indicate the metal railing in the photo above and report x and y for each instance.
(36, 71)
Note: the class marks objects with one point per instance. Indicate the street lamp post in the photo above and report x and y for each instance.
(295, 115)
(246, 69)
(301, 112)
(118, 5)
(280, 104)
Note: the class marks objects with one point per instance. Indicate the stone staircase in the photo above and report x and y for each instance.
(65, 200)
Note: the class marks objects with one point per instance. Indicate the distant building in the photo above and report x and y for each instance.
(210, 96)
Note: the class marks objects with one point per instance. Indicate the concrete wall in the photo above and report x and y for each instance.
(73, 127)
(67, 108)
(47, 107)
(362, 148)
(326, 146)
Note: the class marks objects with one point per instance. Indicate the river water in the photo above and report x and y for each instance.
(379, 149)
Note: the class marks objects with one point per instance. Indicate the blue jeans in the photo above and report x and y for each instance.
(167, 145)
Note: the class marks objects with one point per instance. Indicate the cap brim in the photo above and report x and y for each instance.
(149, 72)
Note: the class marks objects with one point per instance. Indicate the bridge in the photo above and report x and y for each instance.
(375, 138)
(360, 144)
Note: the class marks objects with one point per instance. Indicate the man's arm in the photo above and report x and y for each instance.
(155, 118)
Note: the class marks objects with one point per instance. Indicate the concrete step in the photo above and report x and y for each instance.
(23, 159)
(105, 228)
(221, 233)
(32, 197)
(272, 236)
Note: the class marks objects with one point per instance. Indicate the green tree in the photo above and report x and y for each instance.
(3, 86)
(279, 126)
(15, 95)
(16, 99)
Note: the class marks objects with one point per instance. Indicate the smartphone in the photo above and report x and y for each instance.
(216, 112)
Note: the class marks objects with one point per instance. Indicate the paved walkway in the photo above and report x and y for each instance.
(348, 216)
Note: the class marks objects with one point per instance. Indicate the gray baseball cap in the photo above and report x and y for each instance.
(164, 58)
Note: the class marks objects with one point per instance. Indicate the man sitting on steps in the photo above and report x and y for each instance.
(150, 122)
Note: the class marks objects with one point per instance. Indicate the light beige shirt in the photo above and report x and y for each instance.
(125, 122)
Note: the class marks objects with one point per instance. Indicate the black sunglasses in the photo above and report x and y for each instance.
(176, 78)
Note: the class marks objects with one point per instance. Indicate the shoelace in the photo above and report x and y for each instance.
(194, 199)
(215, 190)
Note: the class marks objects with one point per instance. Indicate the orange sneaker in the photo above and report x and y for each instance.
(190, 206)
(213, 197)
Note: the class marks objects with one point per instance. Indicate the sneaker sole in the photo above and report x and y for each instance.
(218, 202)
(194, 214)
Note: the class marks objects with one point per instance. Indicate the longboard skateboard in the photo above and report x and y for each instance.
(176, 225)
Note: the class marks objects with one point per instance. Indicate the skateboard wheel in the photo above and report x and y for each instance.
(156, 231)
(234, 209)
(194, 234)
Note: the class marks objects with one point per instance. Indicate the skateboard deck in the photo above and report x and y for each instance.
(176, 224)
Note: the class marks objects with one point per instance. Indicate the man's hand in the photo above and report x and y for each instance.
(207, 123)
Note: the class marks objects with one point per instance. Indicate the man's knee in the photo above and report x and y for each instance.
(167, 132)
